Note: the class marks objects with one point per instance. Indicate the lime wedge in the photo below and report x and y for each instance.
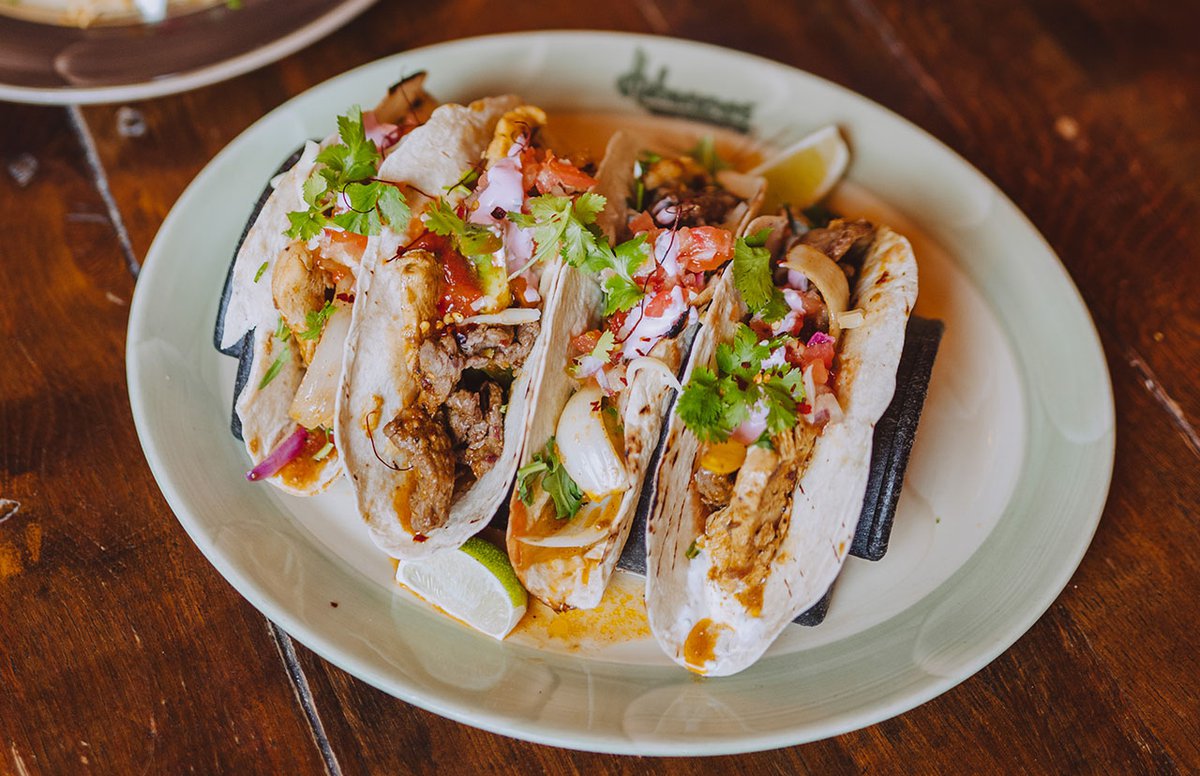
(475, 583)
(802, 174)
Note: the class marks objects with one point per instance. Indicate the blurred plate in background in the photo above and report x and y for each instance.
(87, 51)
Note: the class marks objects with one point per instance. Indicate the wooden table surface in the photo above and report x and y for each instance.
(123, 651)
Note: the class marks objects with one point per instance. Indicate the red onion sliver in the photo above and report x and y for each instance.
(280, 456)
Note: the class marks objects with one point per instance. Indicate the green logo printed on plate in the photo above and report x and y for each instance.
(654, 95)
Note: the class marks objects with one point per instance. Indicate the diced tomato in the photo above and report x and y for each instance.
(345, 247)
(821, 351)
(704, 248)
(659, 304)
(560, 174)
(616, 321)
(459, 287)
(586, 342)
(642, 222)
(531, 167)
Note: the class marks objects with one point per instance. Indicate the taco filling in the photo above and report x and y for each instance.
(481, 309)
(578, 488)
(758, 409)
(312, 282)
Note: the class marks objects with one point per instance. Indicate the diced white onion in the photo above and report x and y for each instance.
(512, 316)
(851, 319)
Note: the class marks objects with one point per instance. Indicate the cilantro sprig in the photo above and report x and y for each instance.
(621, 291)
(753, 277)
(348, 168)
(563, 226)
(563, 490)
(714, 404)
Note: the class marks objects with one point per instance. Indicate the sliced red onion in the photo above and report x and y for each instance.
(280, 456)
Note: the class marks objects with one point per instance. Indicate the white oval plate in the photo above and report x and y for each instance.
(1004, 490)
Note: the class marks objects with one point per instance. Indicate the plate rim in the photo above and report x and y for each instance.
(206, 75)
(590, 740)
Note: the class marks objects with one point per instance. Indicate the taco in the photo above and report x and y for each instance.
(766, 458)
(448, 338)
(286, 307)
(623, 320)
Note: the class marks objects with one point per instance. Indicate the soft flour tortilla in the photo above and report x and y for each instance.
(379, 377)
(826, 502)
(575, 577)
(264, 411)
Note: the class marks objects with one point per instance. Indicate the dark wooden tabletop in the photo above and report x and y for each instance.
(123, 651)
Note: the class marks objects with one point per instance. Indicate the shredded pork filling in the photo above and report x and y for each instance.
(750, 510)
(454, 433)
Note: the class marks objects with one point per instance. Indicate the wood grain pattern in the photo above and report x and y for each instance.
(1082, 111)
(121, 650)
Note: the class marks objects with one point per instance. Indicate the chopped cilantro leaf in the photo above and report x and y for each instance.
(392, 207)
(314, 187)
(692, 550)
(306, 224)
(602, 350)
(562, 489)
(315, 322)
(701, 405)
(284, 355)
(752, 274)
(282, 332)
(261, 269)
(562, 225)
(621, 294)
(621, 291)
